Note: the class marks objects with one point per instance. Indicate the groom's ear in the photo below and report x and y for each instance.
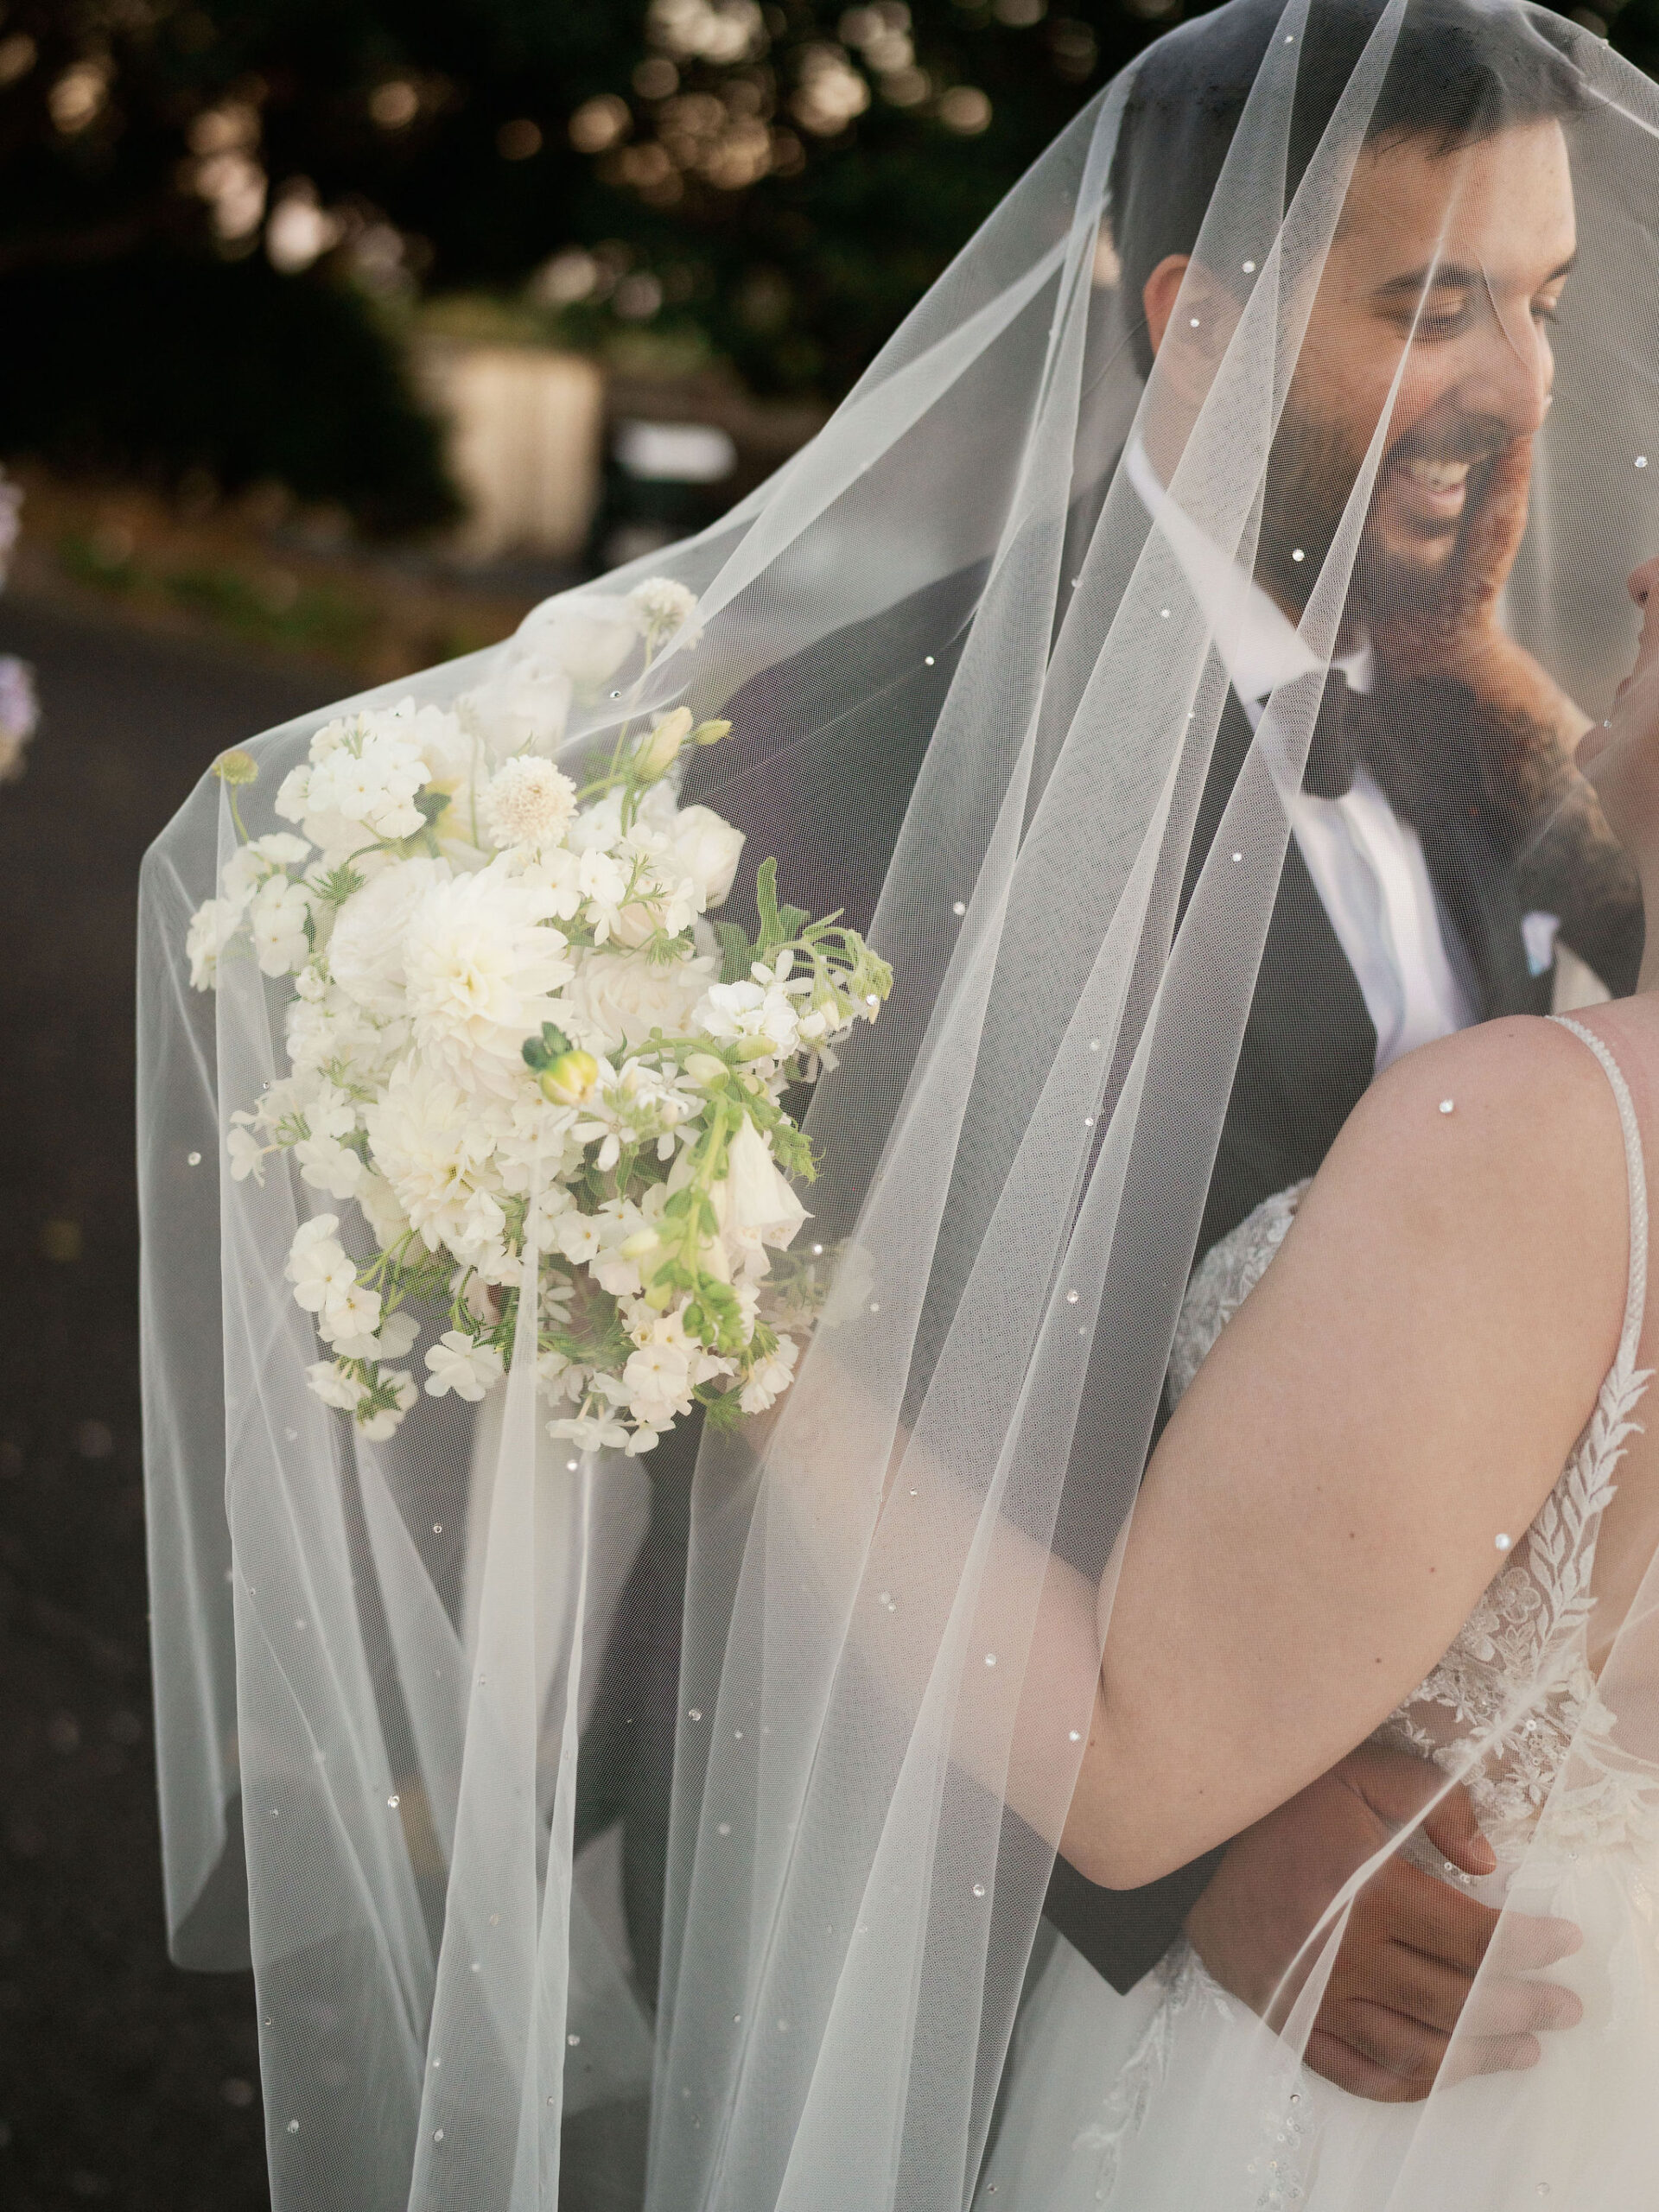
(1159, 294)
(1198, 335)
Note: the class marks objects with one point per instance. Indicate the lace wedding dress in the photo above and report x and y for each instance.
(1177, 2099)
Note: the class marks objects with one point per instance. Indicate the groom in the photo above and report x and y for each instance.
(1421, 888)
(1441, 838)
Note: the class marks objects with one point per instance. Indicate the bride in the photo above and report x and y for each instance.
(1433, 1362)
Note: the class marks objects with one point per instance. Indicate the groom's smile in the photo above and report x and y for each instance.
(1445, 274)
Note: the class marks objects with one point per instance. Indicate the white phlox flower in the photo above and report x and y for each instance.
(481, 963)
(771, 1378)
(212, 927)
(604, 887)
(254, 863)
(377, 1204)
(460, 1365)
(277, 923)
(750, 1012)
(360, 782)
(333, 1386)
(382, 1424)
(657, 1378)
(246, 1153)
(350, 1321)
(527, 802)
(317, 1266)
(591, 1431)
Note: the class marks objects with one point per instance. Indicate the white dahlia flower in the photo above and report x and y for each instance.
(481, 963)
(366, 953)
(436, 1156)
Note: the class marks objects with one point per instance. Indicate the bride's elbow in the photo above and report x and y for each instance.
(1118, 1861)
(1111, 1841)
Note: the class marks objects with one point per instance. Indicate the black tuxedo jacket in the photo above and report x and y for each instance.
(1307, 1054)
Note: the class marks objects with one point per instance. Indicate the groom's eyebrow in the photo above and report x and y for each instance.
(1451, 276)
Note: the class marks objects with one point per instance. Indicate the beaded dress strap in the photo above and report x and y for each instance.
(1635, 1176)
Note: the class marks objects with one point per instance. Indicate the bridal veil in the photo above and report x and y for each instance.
(412, 1689)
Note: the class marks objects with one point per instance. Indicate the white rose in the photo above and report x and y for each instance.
(587, 634)
(521, 705)
(621, 997)
(707, 848)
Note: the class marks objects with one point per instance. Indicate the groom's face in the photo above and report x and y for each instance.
(1444, 273)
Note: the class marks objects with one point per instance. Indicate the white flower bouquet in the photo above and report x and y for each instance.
(512, 1020)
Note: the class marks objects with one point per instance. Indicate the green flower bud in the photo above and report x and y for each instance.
(236, 767)
(569, 1078)
(662, 748)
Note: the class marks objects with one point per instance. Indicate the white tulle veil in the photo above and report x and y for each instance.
(976, 701)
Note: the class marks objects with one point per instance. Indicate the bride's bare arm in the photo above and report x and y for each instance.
(1398, 1395)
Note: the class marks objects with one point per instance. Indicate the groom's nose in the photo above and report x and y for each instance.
(1510, 375)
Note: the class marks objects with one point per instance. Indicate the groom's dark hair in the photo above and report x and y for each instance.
(1459, 72)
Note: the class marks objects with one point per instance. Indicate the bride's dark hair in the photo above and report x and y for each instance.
(1459, 74)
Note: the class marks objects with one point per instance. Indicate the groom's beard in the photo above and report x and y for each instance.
(1313, 467)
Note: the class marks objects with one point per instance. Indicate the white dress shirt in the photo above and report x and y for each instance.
(1367, 865)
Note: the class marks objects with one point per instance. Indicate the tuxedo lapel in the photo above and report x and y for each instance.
(1475, 883)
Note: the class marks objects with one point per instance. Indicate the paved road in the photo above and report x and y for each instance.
(122, 2081)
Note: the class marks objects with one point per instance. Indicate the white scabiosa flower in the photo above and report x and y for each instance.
(458, 1363)
(481, 965)
(527, 804)
(660, 604)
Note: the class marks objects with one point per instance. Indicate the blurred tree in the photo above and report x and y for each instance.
(777, 183)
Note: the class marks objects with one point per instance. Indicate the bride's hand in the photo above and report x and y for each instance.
(1412, 1944)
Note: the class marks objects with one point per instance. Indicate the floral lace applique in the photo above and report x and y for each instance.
(1516, 1677)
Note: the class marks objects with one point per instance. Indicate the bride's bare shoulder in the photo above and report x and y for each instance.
(1497, 1153)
